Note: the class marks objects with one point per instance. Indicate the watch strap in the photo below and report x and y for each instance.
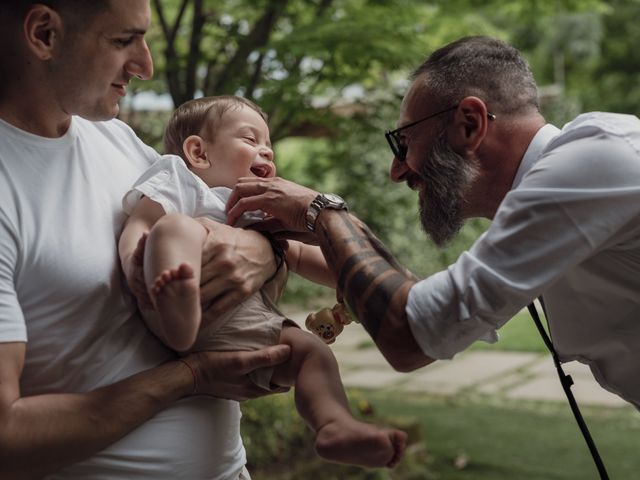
(317, 205)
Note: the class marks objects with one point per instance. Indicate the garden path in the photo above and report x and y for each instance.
(509, 375)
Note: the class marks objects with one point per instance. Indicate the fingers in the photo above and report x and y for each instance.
(142, 294)
(244, 205)
(223, 284)
(266, 357)
(238, 202)
(279, 198)
(217, 266)
(399, 441)
(218, 246)
(138, 253)
(304, 237)
(225, 374)
(221, 304)
(269, 224)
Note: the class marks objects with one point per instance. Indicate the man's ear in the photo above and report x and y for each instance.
(195, 151)
(43, 30)
(469, 126)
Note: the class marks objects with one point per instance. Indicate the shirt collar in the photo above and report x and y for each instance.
(534, 151)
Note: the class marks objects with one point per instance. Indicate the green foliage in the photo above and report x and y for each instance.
(149, 126)
(332, 73)
(273, 432)
(477, 440)
(518, 335)
(453, 438)
(614, 81)
(291, 56)
(280, 447)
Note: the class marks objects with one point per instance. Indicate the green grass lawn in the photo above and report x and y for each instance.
(518, 334)
(462, 440)
(470, 438)
(517, 441)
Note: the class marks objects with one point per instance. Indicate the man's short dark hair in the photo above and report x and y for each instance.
(479, 66)
(69, 9)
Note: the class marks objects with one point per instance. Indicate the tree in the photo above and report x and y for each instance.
(294, 57)
(331, 75)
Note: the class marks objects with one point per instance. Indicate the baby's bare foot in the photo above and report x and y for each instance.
(181, 275)
(176, 296)
(359, 443)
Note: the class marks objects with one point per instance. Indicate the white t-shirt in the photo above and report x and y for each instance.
(62, 292)
(568, 230)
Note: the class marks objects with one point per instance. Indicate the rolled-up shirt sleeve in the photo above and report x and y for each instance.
(12, 324)
(579, 198)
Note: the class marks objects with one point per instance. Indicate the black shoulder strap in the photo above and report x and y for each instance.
(566, 382)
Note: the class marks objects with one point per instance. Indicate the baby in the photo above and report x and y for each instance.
(212, 142)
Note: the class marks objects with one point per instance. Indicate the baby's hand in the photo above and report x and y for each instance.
(134, 274)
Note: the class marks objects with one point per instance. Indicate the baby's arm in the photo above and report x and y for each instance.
(309, 262)
(144, 215)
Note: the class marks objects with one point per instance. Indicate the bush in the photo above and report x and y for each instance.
(273, 432)
(280, 446)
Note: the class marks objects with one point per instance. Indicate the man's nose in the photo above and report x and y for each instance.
(398, 170)
(141, 65)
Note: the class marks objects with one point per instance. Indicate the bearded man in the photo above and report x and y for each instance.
(564, 205)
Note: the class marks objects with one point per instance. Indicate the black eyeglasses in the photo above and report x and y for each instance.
(395, 141)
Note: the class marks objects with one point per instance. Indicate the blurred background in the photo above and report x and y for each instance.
(331, 75)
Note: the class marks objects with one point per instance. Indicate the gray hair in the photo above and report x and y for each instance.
(479, 66)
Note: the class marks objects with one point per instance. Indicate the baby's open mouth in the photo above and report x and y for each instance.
(261, 171)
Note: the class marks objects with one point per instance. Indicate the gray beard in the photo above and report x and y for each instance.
(445, 177)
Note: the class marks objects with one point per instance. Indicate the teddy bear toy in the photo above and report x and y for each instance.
(328, 323)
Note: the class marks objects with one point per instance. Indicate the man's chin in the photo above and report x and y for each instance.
(441, 233)
(100, 114)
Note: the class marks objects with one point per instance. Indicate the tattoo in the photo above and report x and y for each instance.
(369, 283)
(368, 275)
(349, 266)
(356, 234)
(328, 249)
(378, 299)
(384, 252)
(363, 274)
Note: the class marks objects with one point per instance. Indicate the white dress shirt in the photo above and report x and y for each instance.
(569, 230)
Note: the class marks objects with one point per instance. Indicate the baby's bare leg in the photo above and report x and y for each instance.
(172, 260)
(322, 402)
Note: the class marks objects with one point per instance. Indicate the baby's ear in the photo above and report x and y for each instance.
(194, 148)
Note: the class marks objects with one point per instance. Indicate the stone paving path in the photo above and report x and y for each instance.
(510, 375)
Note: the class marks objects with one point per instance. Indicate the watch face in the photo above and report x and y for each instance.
(333, 198)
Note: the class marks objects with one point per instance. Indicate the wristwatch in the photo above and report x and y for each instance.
(322, 201)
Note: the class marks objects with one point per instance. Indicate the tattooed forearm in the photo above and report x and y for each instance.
(374, 304)
(384, 252)
(331, 248)
(348, 267)
(356, 231)
(365, 271)
(368, 275)
(374, 284)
